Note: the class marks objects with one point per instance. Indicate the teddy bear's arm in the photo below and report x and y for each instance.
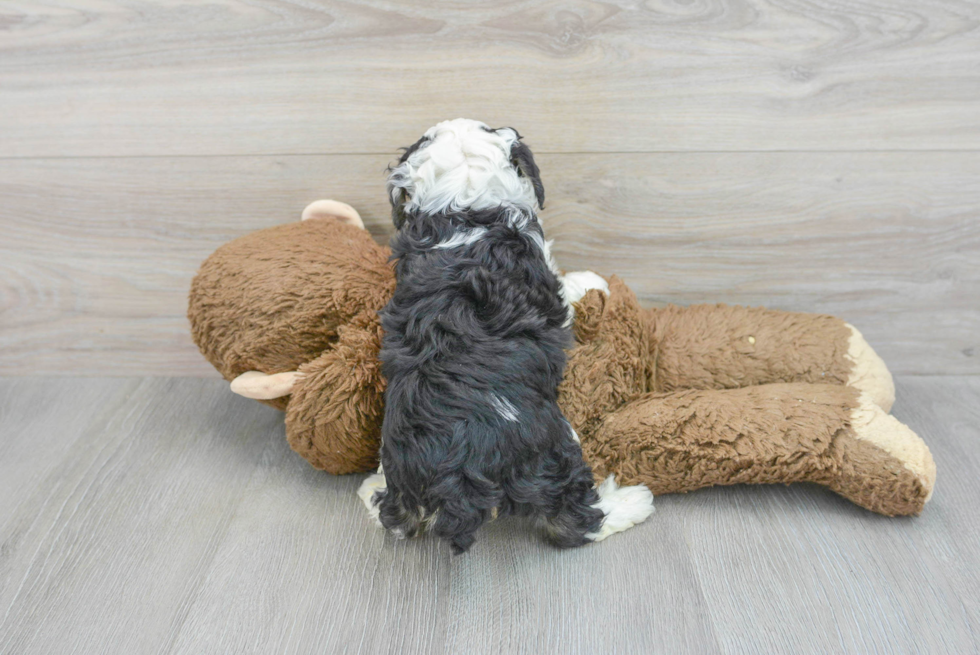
(333, 418)
(832, 435)
(725, 347)
(608, 365)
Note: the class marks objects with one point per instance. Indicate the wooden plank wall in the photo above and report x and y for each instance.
(819, 156)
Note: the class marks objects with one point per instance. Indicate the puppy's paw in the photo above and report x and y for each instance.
(576, 284)
(370, 493)
(624, 507)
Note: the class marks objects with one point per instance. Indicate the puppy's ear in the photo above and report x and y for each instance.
(398, 197)
(400, 186)
(521, 157)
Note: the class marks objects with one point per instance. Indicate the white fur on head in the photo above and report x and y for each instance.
(461, 165)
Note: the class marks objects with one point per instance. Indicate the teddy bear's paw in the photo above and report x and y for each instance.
(624, 507)
(868, 371)
(339, 210)
(370, 493)
(870, 423)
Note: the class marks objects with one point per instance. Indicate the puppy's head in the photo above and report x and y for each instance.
(462, 165)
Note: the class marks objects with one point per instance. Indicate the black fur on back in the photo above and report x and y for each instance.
(466, 324)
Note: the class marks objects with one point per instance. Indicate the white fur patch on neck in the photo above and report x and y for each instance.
(462, 238)
(462, 166)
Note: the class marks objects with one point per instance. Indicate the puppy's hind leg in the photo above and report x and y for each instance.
(467, 501)
(565, 505)
(384, 506)
(371, 491)
(458, 526)
(395, 516)
(580, 513)
(576, 518)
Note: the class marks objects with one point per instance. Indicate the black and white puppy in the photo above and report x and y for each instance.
(474, 349)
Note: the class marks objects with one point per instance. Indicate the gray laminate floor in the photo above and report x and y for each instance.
(166, 515)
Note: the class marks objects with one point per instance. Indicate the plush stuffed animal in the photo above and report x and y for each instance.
(673, 398)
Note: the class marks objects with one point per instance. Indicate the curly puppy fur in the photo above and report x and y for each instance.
(474, 349)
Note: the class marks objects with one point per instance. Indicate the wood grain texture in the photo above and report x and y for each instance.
(121, 77)
(171, 517)
(97, 255)
(885, 585)
(107, 547)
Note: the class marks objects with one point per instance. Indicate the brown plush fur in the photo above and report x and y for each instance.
(724, 347)
(694, 438)
(675, 398)
(276, 299)
(334, 413)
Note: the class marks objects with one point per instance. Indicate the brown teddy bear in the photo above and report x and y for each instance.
(673, 398)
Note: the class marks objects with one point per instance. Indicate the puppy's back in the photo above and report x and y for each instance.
(473, 352)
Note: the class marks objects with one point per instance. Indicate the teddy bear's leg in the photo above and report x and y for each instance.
(832, 435)
(339, 210)
(868, 371)
(725, 347)
(879, 437)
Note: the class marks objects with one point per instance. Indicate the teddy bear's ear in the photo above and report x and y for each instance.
(332, 209)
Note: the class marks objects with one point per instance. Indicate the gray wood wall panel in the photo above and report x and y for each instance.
(236, 77)
(808, 156)
(97, 254)
(171, 516)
